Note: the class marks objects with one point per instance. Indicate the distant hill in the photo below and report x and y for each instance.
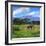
(27, 19)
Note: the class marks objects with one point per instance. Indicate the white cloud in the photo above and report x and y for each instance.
(33, 13)
(20, 10)
(17, 11)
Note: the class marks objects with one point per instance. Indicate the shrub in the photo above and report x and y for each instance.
(16, 28)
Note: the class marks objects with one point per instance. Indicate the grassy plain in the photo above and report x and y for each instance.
(21, 31)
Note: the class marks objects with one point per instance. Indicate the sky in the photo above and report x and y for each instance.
(19, 12)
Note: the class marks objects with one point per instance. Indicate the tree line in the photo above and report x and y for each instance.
(24, 21)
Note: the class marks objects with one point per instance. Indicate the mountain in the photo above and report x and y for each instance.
(30, 17)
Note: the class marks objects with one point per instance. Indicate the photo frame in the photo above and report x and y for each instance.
(24, 22)
(25, 0)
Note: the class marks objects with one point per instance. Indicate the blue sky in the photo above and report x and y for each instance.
(18, 11)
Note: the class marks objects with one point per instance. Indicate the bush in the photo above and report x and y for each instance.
(16, 28)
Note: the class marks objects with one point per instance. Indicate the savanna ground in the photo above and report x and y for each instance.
(21, 31)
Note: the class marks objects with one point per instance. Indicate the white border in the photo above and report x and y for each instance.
(21, 40)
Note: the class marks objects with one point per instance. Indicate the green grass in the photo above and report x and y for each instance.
(19, 31)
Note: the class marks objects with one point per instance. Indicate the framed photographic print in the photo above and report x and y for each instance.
(24, 22)
(25, 0)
